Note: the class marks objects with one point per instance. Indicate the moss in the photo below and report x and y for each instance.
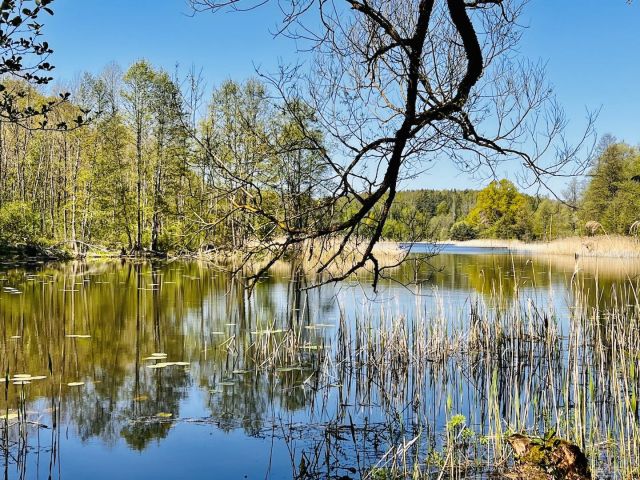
(536, 455)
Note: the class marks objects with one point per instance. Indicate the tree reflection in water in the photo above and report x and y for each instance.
(300, 365)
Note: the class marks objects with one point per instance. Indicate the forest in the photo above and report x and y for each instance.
(140, 171)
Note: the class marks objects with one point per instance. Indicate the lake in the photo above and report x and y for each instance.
(171, 369)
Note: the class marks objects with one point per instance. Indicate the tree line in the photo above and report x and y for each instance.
(606, 201)
(141, 173)
(158, 167)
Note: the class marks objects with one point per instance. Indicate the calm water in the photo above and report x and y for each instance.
(226, 412)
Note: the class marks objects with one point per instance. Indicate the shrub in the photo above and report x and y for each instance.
(462, 231)
(19, 224)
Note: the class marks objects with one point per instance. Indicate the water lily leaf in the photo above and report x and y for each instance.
(141, 398)
(19, 376)
(75, 384)
(226, 384)
(77, 336)
(21, 382)
(158, 365)
(318, 326)
(164, 415)
(240, 372)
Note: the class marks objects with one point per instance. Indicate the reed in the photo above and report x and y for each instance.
(498, 367)
(602, 246)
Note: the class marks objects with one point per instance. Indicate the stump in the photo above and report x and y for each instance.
(550, 458)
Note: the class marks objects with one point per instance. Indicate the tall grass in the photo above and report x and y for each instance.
(447, 387)
(606, 246)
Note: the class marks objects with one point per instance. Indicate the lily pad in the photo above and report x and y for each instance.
(158, 365)
(75, 384)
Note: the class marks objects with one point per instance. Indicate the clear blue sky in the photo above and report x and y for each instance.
(592, 48)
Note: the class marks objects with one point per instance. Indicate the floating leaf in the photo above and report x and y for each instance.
(141, 398)
(318, 326)
(164, 415)
(240, 372)
(75, 384)
(158, 365)
(78, 336)
(9, 416)
(169, 364)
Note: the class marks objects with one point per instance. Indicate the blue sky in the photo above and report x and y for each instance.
(592, 49)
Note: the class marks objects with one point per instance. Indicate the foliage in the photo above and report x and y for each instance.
(24, 64)
(19, 224)
(611, 197)
(501, 212)
(463, 231)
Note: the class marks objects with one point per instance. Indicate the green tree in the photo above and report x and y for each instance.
(501, 212)
(463, 231)
(19, 224)
(139, 84)
(606, 178)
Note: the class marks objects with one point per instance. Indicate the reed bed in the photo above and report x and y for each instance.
(438, 394)
(604, 246)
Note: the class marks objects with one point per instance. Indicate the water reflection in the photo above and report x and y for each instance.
(255, 362)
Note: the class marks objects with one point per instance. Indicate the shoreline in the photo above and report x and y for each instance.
(612, 246)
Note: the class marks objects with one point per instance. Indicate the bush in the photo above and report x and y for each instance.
(462, 231)
(19, 224)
